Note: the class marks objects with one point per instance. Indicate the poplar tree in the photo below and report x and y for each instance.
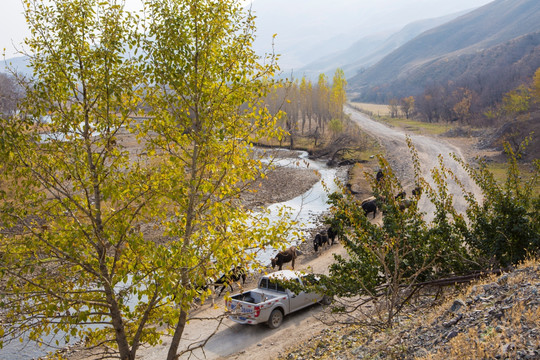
(205, 97)
(76, 257)
(305, 97)
(323, 101)
(338, 94)
(75, 195)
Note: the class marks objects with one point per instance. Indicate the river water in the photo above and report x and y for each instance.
(308, 207)
(305, 209)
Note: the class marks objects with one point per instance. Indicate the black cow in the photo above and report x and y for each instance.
(234, 275)
(370, 206)
(400, 195)
(320, 239)
(368, 199)
(379, 176)
(285, 256)
(332, 234)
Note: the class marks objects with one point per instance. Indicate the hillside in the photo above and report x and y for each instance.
(370, 49)
(311, 29)
(493, 31)
(494, 318)
(489, 73)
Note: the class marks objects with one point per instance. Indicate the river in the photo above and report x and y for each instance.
(308, 207)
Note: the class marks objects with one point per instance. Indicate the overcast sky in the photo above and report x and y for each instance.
(13, 27)
(329, 15)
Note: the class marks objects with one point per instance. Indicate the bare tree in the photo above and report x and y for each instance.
(10, 94)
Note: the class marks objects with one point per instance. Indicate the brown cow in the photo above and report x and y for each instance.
(285, 256)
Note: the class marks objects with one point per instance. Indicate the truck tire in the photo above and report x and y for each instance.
(326, 300)
(276, 318)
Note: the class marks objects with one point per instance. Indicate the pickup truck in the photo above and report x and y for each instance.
(270, 301)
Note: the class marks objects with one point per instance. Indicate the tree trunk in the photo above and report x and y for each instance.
(173, 349)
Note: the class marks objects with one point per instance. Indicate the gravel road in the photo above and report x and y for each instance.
(428, 148)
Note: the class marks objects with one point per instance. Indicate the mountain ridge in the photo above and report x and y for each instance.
(485, 28)
(369, 49)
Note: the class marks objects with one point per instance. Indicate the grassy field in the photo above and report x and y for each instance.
(372, 109)
(417, 127)
(499, 171)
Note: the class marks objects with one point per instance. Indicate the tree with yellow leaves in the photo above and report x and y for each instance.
(76, 257)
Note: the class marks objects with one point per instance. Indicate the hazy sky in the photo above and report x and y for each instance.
(13, 27)
(328, 15)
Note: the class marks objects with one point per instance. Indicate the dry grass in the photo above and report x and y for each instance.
(372, 109)
(492, 340)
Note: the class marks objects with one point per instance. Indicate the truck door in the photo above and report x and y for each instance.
(300, 300)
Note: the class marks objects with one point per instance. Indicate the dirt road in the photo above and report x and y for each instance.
(428, 148)
(234, 341)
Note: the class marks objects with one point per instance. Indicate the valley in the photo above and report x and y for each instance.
(235, 341)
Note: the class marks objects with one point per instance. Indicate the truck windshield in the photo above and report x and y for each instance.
(270, 285)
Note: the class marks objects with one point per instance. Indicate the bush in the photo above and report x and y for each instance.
(504, 225)
(386, 264)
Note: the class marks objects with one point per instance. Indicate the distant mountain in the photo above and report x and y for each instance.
(19, 64)
(370, 49)
(456, 48)
(311, 29)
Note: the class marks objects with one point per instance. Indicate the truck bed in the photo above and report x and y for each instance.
(253, 297)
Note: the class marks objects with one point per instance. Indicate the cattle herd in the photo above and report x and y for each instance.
(369, 205)
(323, 238)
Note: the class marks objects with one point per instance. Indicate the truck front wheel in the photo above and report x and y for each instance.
(276, 318)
